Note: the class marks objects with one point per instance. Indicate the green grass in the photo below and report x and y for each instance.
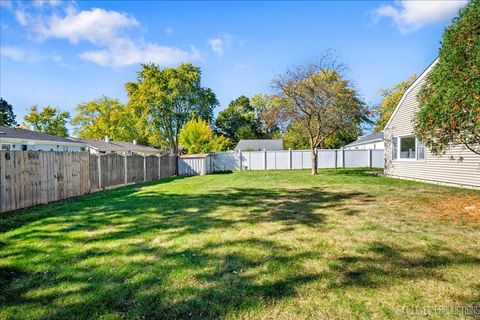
(276, 245)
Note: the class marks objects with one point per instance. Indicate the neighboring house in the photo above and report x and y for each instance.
(124, 148)
(259, 145)
(407, 157)
(21, 139)
(370, 141)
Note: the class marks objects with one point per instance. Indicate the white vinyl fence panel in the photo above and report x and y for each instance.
(296, 159)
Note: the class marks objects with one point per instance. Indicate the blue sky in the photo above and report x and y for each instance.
(61, 53)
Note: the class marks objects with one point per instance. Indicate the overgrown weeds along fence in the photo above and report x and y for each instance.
(29, 178)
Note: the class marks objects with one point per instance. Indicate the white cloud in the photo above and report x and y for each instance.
(125, 52)
(12, 53)
(98, 26)
(21, 17)
(111, 33)
(412, 15)
(219, 45)
(27, 55)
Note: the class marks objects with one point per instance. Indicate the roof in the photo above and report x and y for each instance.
(23, 134)
(260, 144)
(369, 138)
(101, 145)
(413, 85)
(200, 155)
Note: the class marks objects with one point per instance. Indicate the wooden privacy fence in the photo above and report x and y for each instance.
(29, 178)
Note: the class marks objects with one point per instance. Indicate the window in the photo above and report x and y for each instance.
(6, 146)
(420, 150)
(394, 148)
(407, 148)
(24, 147)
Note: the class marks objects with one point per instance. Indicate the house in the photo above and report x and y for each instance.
(370, 141)
(125, 148)
(407, 157)
(22, 139)
(259, 145)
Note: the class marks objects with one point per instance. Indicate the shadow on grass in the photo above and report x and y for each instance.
(138, 252)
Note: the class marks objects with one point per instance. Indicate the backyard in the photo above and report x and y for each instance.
(258, 244)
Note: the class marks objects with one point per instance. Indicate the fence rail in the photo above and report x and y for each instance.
(29, 178)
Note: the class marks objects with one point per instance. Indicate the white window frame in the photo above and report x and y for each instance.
(9, 144)
(399, 147)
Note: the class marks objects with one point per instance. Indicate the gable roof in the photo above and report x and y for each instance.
(369, 138)
(413, 85)
(102, 145)
(260, 144)
(23, 134)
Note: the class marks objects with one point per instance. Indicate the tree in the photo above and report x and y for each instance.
(163, 100)
(105, 117)
(450, 98)
(7, 117)
(321, 100)
(271, 113)
(295, 137)
(50, 120)
(197, 137)
(390, 99)
(238, 120)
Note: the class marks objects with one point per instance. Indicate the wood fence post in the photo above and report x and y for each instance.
(159, 164)
(126, 168)
(99, 172)
(144, 168)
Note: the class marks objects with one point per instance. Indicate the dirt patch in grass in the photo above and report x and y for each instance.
(457, 209)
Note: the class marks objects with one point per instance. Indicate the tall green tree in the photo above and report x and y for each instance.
(390, 99)
(196, 136)
(163, 100)
(322, 101)
(7, 117)
(450, 99)
(50, 120)
(238, 120)
(105, 117)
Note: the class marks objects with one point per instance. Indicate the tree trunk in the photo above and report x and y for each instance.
(314, 161)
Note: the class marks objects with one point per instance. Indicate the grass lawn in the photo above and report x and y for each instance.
(276, 245)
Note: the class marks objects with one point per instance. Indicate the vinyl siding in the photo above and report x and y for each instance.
(458, 166)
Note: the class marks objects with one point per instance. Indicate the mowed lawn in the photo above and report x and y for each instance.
(277, 245)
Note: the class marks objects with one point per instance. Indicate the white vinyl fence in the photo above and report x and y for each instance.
(295, 159)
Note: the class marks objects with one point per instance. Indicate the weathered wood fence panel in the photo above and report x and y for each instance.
(151, 167)
(134, 169)
(29, 178)
(168, 166)
(113, 170)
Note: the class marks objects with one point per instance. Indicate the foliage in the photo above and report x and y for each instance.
(7, 117)
(105, 117)
(163, 100)
(390, 99)
(271, 112)
(322, 101)
(196, 136)
(450, 99)
(50, 120)
(238, 120)
(246, 245)
(295, 137)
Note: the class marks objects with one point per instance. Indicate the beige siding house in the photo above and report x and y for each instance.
(406, 157)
